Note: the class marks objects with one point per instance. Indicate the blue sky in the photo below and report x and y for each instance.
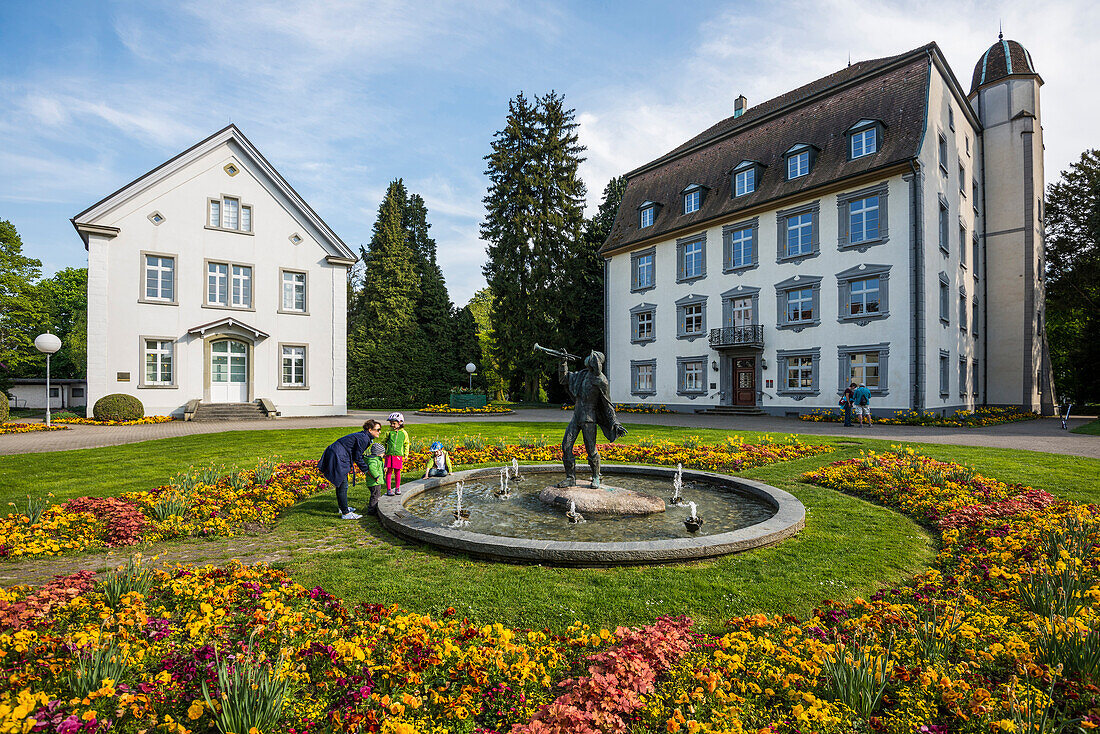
(344, 96)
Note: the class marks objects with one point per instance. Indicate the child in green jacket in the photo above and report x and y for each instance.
(397, 452)
(375, 476)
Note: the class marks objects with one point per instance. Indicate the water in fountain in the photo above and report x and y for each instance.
(515, 469)
(524, 515)
(677, 486)
(461, 516)
(504, 493)
(693, 515)
(573, 515)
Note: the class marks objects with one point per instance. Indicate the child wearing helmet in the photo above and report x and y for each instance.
(374, 473)
(439, 463)
(397, 451)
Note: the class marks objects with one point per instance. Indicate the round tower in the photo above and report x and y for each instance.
(1005, 94)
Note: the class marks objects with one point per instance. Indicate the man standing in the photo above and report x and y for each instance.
(846, 400)
(589, 390)
(863, 404)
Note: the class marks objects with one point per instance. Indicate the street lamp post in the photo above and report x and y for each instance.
(47, 344)
(471, 368)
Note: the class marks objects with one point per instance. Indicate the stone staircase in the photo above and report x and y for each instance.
(230, 412)
(733, 410)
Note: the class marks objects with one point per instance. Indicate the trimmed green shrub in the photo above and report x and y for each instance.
(118, 407)
(4, 408)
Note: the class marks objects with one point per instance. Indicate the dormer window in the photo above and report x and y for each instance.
(864, 138)
(693, 198)
(745, 175)
(800, 159)
(647, 212)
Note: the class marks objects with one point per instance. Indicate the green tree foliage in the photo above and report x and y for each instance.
(22, 316)
(480, 309)
(533, 225)
(1073, 279)
(401, 340)
(64, 301)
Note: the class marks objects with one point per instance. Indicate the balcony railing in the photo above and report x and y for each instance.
(737, 336)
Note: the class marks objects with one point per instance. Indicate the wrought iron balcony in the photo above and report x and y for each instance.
(737, 336)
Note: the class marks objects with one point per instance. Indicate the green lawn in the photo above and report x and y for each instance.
(1091, 429)
(849, 548)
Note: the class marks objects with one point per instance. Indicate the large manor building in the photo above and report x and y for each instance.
(879, 225)
(215, 290)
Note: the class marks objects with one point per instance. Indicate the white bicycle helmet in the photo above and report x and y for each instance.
(396, 417)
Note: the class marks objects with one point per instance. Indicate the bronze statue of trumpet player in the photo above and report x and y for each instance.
(593, 407)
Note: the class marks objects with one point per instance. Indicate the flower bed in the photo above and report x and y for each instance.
(27, 428)
(147, 420)
(1000, 632)
(448, 410)
(368, 668)
(192, 506)
(984, 416)
(634, 408)
(205, 503)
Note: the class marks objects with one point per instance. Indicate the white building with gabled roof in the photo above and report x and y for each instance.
(214, 289)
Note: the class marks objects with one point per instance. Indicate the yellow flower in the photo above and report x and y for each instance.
(195, 711)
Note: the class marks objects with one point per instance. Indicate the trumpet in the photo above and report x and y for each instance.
(559, 353)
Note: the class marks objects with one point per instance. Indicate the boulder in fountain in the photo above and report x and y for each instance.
(603, 500)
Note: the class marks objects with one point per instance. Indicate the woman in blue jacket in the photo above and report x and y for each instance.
(341, 457)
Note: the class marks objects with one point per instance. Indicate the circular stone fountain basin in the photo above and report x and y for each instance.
(739, 514)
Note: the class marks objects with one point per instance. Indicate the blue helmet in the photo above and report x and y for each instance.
(436, 446)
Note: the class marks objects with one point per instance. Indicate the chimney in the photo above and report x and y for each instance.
(739, 105)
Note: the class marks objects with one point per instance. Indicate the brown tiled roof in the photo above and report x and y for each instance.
(891, 90)
(1003, 58)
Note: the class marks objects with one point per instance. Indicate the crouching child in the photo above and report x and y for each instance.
(439, 463)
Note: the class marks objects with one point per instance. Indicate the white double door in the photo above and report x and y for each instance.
(229, 371)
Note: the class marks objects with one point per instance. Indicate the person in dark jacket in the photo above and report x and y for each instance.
(341, 457)
(847, 401)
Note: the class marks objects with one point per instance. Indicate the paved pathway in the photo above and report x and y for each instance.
(1044, 434)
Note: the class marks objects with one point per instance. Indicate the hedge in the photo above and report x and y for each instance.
(118, 407)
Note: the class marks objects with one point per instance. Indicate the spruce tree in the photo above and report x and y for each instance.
(534, 221)
(388, 328)
(434, 369)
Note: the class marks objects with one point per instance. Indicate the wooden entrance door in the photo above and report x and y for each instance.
(744, 381)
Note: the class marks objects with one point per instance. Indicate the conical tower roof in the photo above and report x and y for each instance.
(1002, 59)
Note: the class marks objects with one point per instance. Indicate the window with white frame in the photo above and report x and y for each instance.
(160, 278)
(945, 299)
(962, 245)
(863, 220)
(943, 155)
(692, 200)
(744, 181)
(690, 379)
(229, 213)
(798, 164)
(691, 257)
(693, 319)
(294, 291)
(158, 362)
(643, 270)
(294, 366)
(863, 296)
(962, 376)
(643, 318)
(643, 377)
(864, 369)
(217, 284)
(963, 308)
(800, 234)
(646, 217)
(945, 228)
(800, 305)
(864, 142)
(800, 373)
(740, 247)
(241, 296)
(945, 373)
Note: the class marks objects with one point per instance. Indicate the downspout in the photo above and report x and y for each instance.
(985, 269)
(916, 215)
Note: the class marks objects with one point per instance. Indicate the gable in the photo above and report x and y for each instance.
(243, 155)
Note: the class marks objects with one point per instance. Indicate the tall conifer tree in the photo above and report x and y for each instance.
(533, 223)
